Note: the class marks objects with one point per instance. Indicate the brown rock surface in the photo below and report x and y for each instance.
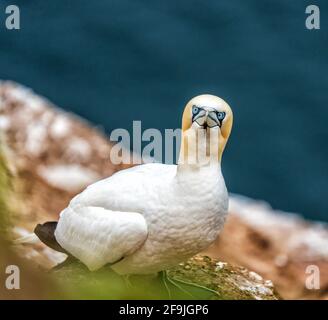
(277, 245)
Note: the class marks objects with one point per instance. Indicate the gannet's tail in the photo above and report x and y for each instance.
(44, 232)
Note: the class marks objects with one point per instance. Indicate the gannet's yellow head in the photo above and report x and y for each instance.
(208, 114)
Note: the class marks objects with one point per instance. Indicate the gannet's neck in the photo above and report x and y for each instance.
(200, 148)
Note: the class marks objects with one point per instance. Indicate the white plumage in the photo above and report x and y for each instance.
(150, 217)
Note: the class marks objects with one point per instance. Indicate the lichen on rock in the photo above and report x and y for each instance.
(230, 282)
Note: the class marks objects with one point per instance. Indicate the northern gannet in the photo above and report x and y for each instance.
(147, 218)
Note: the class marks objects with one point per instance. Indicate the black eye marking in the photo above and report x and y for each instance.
(221, 115)
(195, 110)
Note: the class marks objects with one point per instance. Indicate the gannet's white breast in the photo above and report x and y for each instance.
(148, 216)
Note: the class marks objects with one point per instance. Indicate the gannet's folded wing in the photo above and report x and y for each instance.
(97, 236)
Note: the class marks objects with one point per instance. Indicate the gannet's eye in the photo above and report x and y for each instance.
(195, 110)
(220, 115)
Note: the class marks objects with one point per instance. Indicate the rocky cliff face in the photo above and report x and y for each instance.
(53, 155)
(278, 245)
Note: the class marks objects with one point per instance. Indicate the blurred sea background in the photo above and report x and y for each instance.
(113, 62)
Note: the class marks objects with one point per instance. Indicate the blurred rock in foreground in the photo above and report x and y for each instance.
(55, 155)
(225, 281)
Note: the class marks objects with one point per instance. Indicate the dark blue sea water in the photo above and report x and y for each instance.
(115, 61)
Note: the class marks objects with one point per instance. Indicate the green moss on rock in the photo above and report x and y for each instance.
(224, 281)
(229, 282)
